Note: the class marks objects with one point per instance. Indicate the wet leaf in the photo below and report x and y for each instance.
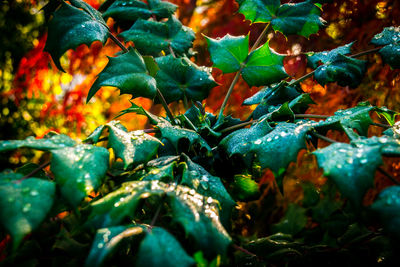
(157, 248)
(129, 74)
(178, 77)
(293, 222)
(328, 56)
(47, 143)
(351, 168)
(71, 27)
(152, 37)
(79, 170)
(24, 205)
(390, 38)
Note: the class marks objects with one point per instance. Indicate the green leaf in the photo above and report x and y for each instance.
(351, 168)
(79, 170)
(388, 114)
(71, 26)
(197, 214)
(160, 248)
(49, 142)
(134, 9)
(301, 18)
(390, 38)
(29, 167)
(279, 147)
(387, 206)
(264, 66)
(128, 73)
(244, 188)
(182, 138)
(258, 10)
(328, 56)
(133, 148)
(153, 119)
(294, 18)
(152, 37)
(228, 53)
(389, 146)
(354, 118)
(293, 222)
(24, 205)
(344, 70)
(179, 76)
(196, 177)
(239, 142)
(106, 241)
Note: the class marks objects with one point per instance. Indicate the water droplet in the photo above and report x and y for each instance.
(192, 192)
(34, 193)
(100, 245)
(209, 200)
(276, 137)
(26, 207)
(269, 139)
(117, 204)
(363, 161)
(257, 142)
(83, 26)
(339, 166)
(349, 160)
(204, 185)
(283, 134)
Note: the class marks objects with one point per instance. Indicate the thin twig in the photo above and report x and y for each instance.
(381, 125)
(165, 105)
(44, 165)
(244, 250)
(149, 130)
(373, 50)
(171, 50)
(111, 175)
(237, 126)
(155, 217)
(299, 80)
(322, 137)
(260, 37)
(391, 178)
(115, 40)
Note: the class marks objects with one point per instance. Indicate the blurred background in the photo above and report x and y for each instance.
(35, 97)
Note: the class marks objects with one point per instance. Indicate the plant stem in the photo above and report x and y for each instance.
(299, 80)
(115, 40)
(237, 126)
(185, 101)
(322, 137)
(391, 178)
(315, 116)
(244, 250)
(236, 78)
(373, 50)
(381, 125)
(44, 165)
(171, 51)
(165, 105)
(153, 221)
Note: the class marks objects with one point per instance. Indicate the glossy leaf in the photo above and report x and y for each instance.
(387, 206)
(106, 241)
(24, 205)
(263, 67)
(328, 56)
(351, 168)
(128, 73)
(134, 9)
(196, 177)
(197, 214)
(344, 70)
(71, 27)
(157, 249)
(79, 170)
(278, 148)
(153, 119)
(239, 142)
(389, 146)
(301, 18)
(178, 77)
(275, 95)
(390, 38)
(293, 222)
(182, 137)
(228, 53)
(294, 18)
(152, 37)
(258, 10)
(49, 142)
(244, 188)
(133, 148)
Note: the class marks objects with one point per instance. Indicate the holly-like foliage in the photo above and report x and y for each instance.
(172, 194)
